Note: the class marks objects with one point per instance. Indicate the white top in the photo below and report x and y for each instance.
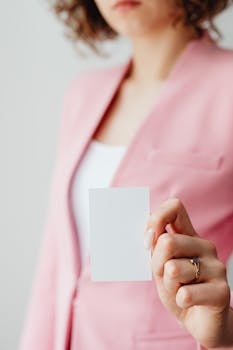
(96, 169)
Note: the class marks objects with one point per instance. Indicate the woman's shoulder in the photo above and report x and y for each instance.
(92, 78)
(215, 67)
(84, 87)
(222, 58)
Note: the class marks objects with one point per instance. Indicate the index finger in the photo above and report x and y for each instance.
(170, 217)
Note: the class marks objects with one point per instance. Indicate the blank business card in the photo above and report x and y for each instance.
(118, 217)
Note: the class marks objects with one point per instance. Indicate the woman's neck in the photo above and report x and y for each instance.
(154, 55)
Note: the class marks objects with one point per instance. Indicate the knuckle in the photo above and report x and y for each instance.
(211, 248)
(171, 269)
(186, 296)
(221, 267)
(166, 240)
(224, 292)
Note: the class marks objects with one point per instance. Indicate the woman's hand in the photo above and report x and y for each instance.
(201, 303)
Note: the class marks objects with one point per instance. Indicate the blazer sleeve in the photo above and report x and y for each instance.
(38, 331)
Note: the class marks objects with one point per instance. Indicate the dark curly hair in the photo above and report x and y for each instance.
(86, 24)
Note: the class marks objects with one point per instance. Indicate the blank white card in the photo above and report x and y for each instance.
(118, 217)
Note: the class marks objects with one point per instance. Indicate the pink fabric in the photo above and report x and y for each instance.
(182, 149)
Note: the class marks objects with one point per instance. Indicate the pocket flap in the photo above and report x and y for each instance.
(200, 160)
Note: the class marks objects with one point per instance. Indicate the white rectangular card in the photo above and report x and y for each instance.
(118, 217)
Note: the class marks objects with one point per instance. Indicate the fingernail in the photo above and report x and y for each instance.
(148, 238)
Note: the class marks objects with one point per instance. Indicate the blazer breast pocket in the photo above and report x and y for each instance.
(185, 158)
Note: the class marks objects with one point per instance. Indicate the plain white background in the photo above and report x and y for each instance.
(37, 63)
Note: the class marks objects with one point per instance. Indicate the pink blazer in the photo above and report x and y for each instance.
(183, 148)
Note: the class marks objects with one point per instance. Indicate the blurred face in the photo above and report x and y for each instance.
(137, 17)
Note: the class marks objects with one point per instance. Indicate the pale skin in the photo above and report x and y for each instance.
(155, 47)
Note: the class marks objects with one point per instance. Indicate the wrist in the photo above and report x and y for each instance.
(229, 328)
(226, 342)
(227, 338)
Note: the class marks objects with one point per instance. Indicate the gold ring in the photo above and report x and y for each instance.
(196, 263)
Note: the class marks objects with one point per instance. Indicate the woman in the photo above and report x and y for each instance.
(181, 80)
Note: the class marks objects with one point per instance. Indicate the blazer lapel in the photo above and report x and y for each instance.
(94, 111)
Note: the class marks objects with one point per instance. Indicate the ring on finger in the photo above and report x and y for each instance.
(195, 261)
